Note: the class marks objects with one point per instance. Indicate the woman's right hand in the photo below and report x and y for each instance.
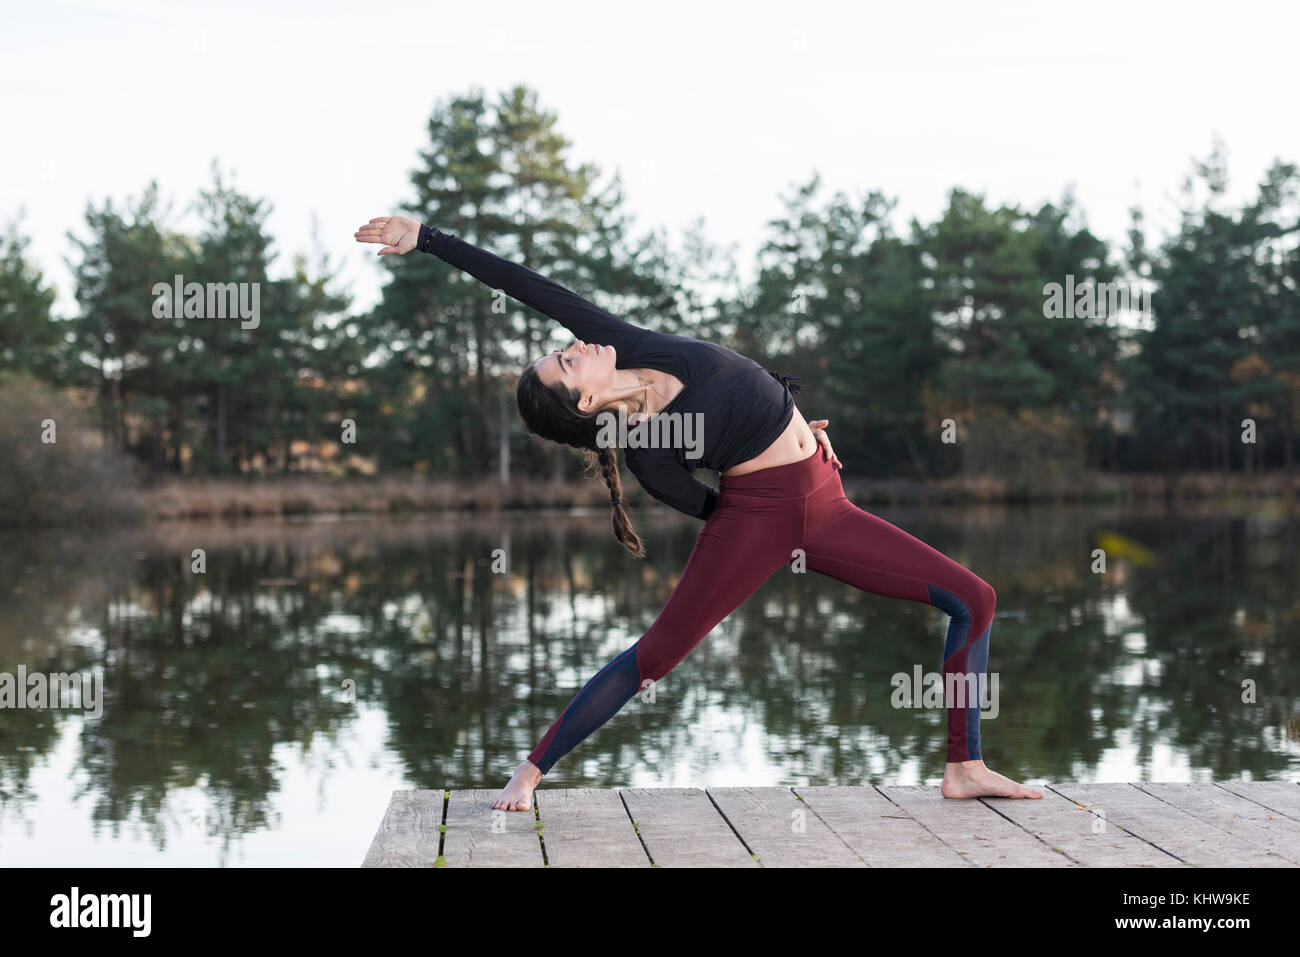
(817, 425)
(397, 233)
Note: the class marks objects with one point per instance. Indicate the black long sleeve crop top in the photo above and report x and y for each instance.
(745, 407)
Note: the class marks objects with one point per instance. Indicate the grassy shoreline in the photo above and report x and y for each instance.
(237, 498)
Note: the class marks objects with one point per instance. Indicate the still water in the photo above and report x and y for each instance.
(261, 712)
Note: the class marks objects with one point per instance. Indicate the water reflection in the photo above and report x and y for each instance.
(261, 712)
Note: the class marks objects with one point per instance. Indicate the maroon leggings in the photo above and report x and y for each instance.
(794, 515)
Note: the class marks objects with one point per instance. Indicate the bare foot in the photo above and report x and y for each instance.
(518, 794)
(969, 779)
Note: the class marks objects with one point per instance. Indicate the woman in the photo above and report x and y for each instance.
(777, 502)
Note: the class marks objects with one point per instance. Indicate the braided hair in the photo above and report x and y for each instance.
(552, 413)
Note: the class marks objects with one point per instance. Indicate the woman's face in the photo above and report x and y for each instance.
(583, 366)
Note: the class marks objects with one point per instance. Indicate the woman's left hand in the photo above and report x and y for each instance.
(824, 440)
(397, 234)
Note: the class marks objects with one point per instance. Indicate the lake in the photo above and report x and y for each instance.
(261, 711)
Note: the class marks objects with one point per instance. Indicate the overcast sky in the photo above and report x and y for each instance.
(707, 109)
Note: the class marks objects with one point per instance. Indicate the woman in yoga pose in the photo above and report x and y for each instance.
(777, 501)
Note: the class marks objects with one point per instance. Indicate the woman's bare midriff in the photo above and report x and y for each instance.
(795, 444)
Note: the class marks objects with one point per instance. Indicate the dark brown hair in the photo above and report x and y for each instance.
(551, 412)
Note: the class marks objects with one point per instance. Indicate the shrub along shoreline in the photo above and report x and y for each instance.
(58, 472)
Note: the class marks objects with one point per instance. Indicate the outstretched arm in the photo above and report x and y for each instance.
(580, 316)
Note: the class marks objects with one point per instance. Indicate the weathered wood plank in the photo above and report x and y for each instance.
(588, 827)
(974, 830)
(1226, 824)
(1281, 797)
(408, 835)
(1169, 828)
(478, 836)
(878, 831)
(1240, 817)
(1074, 831)
(681, 828)
(781, 830)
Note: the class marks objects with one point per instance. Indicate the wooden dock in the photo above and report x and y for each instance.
(1223, 824)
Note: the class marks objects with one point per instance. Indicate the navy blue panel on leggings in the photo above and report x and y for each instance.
(599, 700)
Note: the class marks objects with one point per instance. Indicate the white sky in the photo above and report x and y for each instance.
(708, 109)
